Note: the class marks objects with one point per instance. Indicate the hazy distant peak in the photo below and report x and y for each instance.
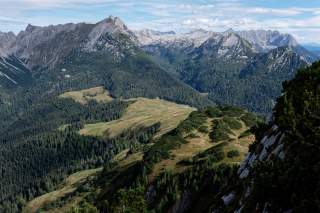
(265, 40)
(150, 32)
(230, 30)
(198, 31)
(31, 28)
(6, 41)
(193, 38)
(113, 22)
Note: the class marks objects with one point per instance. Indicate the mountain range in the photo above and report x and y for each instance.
(243, 68)
(101, 118)
(222, 65)
(53, 58)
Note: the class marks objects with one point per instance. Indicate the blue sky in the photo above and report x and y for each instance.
(298, 17)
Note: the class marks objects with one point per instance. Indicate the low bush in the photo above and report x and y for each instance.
(233, 153)
(233, 123)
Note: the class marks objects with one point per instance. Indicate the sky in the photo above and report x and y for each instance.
(301, 18)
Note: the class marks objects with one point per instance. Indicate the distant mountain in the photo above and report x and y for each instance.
(193, 38)
(47, 46)
(108, 53)
(220, 63)
(313, 47)
(265, 40)
(261, 40)
(75, 56)
(6, 40)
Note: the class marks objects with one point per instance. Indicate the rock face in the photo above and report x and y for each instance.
(111, 25)
(171, 39)
(270, 146)
(281, 170)
(226, 46)
(46, 46)
(39, 48)
(6, 41)
(266, 40)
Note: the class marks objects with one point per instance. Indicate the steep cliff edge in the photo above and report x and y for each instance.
(281, 173)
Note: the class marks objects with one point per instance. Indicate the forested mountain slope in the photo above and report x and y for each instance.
(78, 56)
(194, 168)
(93, 105)
(40, 64)
(172, 173)
(218, 63)
(281, 172)
(45, 144)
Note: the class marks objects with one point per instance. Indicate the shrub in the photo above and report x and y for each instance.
(220, 131)
(232, 122)
(204, 129)
(215, 154)
(213, 112)
(192, 135)
(233, 153)
(245, 133)
(249, 119)
(231, 111)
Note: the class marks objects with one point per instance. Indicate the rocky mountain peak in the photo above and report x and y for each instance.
(7, 36)
(266, 40)
(230, 30)
(30, 28)
(112, 24)
(231, 39)
(226, 45)
(6, 41)
(178, 40)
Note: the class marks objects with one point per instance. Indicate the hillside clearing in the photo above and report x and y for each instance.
(69, 186)
(190, 149)
(142, 112)
(200, 143)
(98, 94)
